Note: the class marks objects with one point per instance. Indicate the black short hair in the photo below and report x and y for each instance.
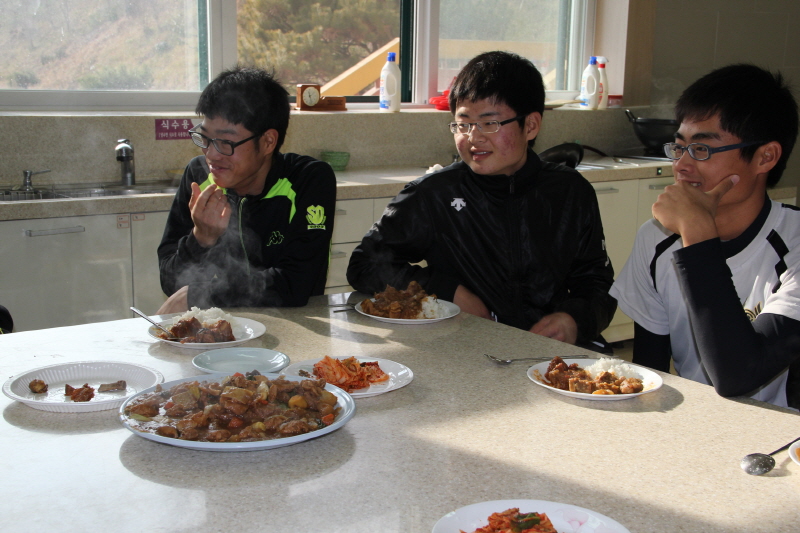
(503, 77)
(752, 103)
(248, 96)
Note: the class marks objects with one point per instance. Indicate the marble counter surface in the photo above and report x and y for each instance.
(463, 431)
(382, 182)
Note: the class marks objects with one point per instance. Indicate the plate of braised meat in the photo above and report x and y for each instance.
(192, 333)
(605, 379)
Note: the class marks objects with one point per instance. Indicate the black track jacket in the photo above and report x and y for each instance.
(528, 245)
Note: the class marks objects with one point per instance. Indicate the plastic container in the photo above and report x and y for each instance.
(590, 85)
(602, 102)
(390, 85)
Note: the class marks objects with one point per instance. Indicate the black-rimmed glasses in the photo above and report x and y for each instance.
(486, 126)
(700, 151)
(222, 146)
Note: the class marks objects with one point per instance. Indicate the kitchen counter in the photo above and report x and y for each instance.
(384, 182)
(463, 431)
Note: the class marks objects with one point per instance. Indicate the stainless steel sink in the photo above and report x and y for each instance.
(88, 191)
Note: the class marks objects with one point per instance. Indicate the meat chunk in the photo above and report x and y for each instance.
(37, 386)
(118, 385)
(82, 394)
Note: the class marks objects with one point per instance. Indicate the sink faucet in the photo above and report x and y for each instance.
(27, 186)
(124, 153)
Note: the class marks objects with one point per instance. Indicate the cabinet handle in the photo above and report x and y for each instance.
(57, 231)
(609, 190)
(657, 187)
(338, 255)
(340, 212)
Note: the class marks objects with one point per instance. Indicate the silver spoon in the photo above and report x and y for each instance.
(156, 324)
(757, 464)
(509, 361)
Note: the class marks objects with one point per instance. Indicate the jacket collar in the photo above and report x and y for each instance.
(515, 184)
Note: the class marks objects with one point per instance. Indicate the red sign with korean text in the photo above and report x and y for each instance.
(168, 129)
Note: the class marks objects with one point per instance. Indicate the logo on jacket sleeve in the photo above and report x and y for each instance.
(458, 203)
(316, 217)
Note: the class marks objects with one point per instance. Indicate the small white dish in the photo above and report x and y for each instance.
(241, 359)
(451, 310)
(399, 375)
(794, 449)
(137, 378)
(243, 330)
(651, 381)
(565, 518)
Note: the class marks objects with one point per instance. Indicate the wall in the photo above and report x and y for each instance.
(79, 148)
(693, 37)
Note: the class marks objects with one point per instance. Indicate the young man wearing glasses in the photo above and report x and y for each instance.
(504, 235)
(250, 226)
(713, 279)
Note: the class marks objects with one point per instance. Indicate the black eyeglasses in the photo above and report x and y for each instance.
(487, 126)
(700, 151)
(222, 146)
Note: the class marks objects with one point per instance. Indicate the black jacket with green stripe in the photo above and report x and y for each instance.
(276, 249)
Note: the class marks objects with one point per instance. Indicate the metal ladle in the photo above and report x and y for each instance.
(156, 324)
(757, 464)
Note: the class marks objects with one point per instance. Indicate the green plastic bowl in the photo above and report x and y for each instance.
(337, 160)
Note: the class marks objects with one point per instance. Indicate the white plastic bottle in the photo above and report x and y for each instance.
(390, 85)
(602, 102)
(590, 85)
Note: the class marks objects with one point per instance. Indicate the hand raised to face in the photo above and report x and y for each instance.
(210, 214)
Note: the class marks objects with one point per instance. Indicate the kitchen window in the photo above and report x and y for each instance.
(141, 55)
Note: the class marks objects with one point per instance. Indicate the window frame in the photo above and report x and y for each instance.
(418, 32)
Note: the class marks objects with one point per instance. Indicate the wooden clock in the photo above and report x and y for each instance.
(309, 98)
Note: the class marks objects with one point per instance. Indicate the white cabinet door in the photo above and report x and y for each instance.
(353, 220)
(337, 270)
(649, 189)
(618, 210)
(65, 271)
(146, 232)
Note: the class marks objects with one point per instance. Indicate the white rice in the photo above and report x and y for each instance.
(206, 317)
(618, 367)
(432, 308)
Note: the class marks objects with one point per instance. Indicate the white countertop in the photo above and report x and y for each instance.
(464, 431)
(381, 182)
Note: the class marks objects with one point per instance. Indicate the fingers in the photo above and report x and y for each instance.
(724, 186)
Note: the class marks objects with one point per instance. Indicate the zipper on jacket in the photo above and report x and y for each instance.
(515, 244)
(241, 235)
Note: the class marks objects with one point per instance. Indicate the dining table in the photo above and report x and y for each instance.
(464, 430)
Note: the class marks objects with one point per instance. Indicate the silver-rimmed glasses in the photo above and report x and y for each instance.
(485, 126)
(222, 146)
(700, 151)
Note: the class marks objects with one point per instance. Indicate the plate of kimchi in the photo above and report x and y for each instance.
(237, 412)
(619, 380)
(361, 377)
(243, 330)
(526, 516)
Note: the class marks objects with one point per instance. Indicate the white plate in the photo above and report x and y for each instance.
(345, 402)
(651, 381)
(399, 375)
(451, 310)
(240, 359)
(794, 449)
(137, 378)
(243, 331)
(565, 518)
